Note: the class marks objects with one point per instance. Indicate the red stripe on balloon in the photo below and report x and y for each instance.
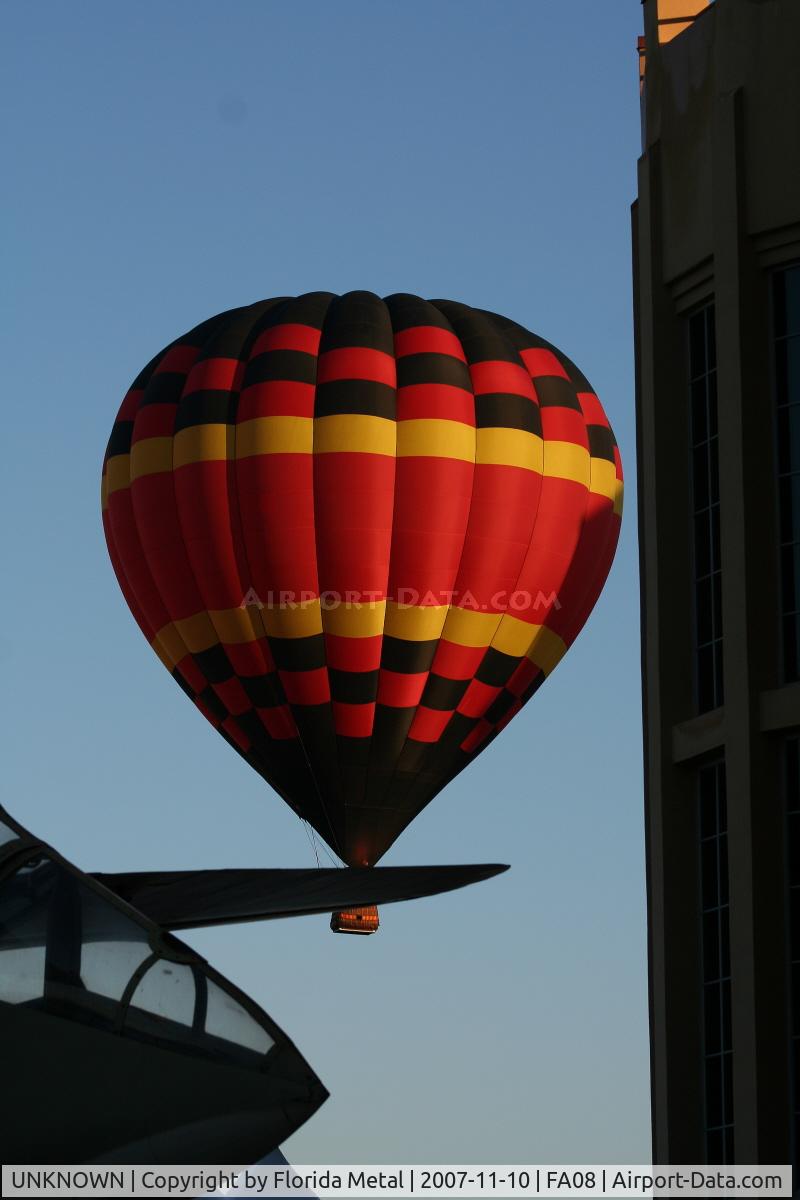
(357, 362)
(287, 337)
(438, 401)
(491, 377)
(542, 362)
(427, 339)
(276, 398)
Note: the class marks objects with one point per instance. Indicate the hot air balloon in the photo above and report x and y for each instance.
(360, 533)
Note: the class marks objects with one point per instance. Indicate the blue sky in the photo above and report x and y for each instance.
(168, 161)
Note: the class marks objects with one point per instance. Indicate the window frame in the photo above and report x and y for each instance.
(706, 310)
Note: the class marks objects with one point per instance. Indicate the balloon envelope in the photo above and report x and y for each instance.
(360, 533)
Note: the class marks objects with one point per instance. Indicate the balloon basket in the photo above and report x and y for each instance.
(356, 920)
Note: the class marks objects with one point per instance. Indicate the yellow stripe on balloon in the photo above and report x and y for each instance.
(203, 443)
(604, 478)
(118, 473)
(354, 620)
(466, 627)
(354, 433)
(151, 456)
(300, 620)
(414, 622)
(433, 438)
(513, 636)
(275, 435)
(567, 460)
(502, 447)
(547, 648)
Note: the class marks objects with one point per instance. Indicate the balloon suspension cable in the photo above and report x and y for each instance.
(318, 790)
(315, 843)
(312, 841)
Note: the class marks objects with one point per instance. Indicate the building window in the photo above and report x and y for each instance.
(792, 793)
(786, 316)
(717, 1039)
(705, 510)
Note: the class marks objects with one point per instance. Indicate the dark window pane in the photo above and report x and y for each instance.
(722, 792)
(719, 695)
(793, 840)
(713, 471)
(715, 544)
(727, 1081)
(779, 304)
(700, 477)
(794, 912)
(715, 1139)
(711, 338)
(702, 543)
(794, 926)
(791, 279)
(697, 345)
(791, 660)
(727, 1034)
(793, 369)
(711, 946)
(708, 795)
(792, 531)
(725, 944)
(793, 773)
(699, 411)
(787, 370)
(710, 873)
(712, 405)
(708, 806)
(784, 440)
(705, 611)
(714, 1091)
(786, 509)
(729, 1152)
(790, 572)
(723, 870)
(716, 604)
(793, 413)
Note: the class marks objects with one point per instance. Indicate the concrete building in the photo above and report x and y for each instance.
(716, 234)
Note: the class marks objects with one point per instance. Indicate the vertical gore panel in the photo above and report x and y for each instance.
(354, 472)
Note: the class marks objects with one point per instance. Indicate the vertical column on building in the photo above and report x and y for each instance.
(749, 622)
(667, 660)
